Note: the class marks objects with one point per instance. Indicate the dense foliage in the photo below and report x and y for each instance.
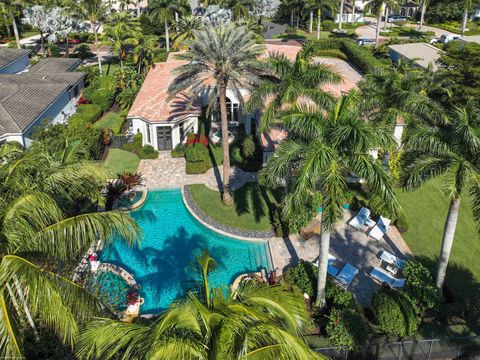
(137, 147)
(346, 328)
(101, 92)
(420, 286)
(304, 275)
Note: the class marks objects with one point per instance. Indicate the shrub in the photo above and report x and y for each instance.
(346, 328)
(179, 151)
(360, 56)
(302, 217)
(196, 153)
(328, 25)
(83, 52)
(338, 297)
(420, 286)
(136, 147)
(197, 167)
(101, 91)
(305, 277)
(248, 146)
(90, 112)
(81, 36)
(401, 223)
(394, 313)
(196, 139)
(291, 30)
(54, 50)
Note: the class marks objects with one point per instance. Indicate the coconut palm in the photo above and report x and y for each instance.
(424, 5)
(450, 151)
(38, 17)
(380, 5)
(166, 11)
(322, 150)
(290, 80)
(220, 58)
(11, 9)
(320, 6)
(120, 30)
(37, 190)
(254, 322)
(467, 7)
(144, 50)
(185, 29)
(94, 11)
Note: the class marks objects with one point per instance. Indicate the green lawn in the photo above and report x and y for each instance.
(110, 120)
(119, 161)
(250, 209)
(27, 34)
(426, 209)
(109, 68)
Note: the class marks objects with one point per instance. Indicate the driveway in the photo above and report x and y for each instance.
(438, 32)
(368, 31)
(29, 41)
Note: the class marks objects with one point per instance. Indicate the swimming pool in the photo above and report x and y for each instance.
(171, 240)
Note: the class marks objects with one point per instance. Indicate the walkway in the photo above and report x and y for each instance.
(348, 246)
(168, 172)
(28, 41)
(369, 31)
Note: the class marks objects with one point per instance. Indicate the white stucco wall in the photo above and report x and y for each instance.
(398, 133)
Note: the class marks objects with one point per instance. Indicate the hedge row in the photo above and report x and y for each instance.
(101, 92)
(361, 57)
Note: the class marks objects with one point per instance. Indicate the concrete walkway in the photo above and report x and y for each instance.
(28, 41)
(167, 172)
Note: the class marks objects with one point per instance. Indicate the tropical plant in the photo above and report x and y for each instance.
(322, 149)
(120, 30)
(240, 8)
(449, 150)
(124, 4)
(186, 28)
(346, 328)
(11, 9)
(289, 81)
(39, 216)
(38, 17)
(467, 7)
(131, 180)
(320, 6)
(227, 57)
(380, 6)
(210, 323)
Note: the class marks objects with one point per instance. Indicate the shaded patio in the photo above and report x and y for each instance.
(348, 246)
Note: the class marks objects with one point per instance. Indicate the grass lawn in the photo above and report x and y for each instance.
(119, 161)
(109, 68)
(110, 120)
(426, 209)
(27, 34)
(250, 209)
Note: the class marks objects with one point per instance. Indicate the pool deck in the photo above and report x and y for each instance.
(349, 246)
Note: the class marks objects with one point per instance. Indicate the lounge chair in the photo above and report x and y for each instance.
(358, 221)
(392, 260)
(345, 277)
(313, 228)
(384, 277)
(331, 269)
(380, 228)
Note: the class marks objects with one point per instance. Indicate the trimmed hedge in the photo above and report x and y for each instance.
(346, 328)
(101, 92)
(179, 151)
(136, 147)
(89, 112)
(361, 57)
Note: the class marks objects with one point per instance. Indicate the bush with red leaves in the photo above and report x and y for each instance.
(82, 100)
(197, 139)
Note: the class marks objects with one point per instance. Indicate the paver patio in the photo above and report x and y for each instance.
(348, 246)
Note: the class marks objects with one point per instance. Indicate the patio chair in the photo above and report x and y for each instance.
(380, 228)
(384, 277)
(312, 228)
(358, 221)
(345, 277)
(331, 269)
(392, 260)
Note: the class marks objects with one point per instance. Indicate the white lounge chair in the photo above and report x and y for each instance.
(345, 277)
(360, 219)
(384, 277)
(331, 269)
(392, 259)
(380, 228)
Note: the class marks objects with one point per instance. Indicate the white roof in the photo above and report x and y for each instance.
(422, 54)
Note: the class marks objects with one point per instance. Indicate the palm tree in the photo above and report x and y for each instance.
(255, 322)
(422, 13)
(320, 5)
(467, 6)
(290, 80)
(220, 58)
(322, 149)
(94, 11)
(144, 50)
(451, 151)
(340, 19)
(240, 8)
(120, 30)
(380, 5)
(11, 10)
(36, 190)
(164, 10)
(124, 4)
(186, 28)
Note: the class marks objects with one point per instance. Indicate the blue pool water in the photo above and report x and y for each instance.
(162, 265)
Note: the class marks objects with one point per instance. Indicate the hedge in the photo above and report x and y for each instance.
(346, 328)
(101, 92)
(136, 147)
(361, 57)
(89, 112)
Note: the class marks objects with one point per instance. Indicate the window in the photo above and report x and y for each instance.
(181, 129)
(149, 136)
(75, 91)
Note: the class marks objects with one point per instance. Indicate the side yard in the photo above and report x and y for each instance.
(120, 161)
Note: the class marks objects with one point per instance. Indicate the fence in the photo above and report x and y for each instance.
(116, 142)
(432, 349)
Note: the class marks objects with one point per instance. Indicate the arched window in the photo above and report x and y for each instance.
(410, 12)
(232, 110)
(402, 11)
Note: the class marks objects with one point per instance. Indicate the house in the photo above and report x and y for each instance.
(409, 8)
(349, 15)
(13, 61)
(46, 91)
(421, 54)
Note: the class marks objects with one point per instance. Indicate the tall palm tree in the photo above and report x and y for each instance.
(451, 151)
(94, 11)
(185, 30)
(120, 30)
(422, 13)
(322, 150)
(380, 5)
(467, 7)
(166, 11)
(254, 322)
(220, 58)
(11, 9)
(320, 6)
(340, 19)
(290, 80)
(37, 190)
(144, 49)
(240, 8)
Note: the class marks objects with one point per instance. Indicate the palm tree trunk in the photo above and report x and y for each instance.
(291, 18)
(67, 50)
(422, 14)
(322, 267)
(138, 8)
(310, 28)
(176, 21)
(379, 19)
(319, 19)
(353, 12)
(42, 42)
(226, 197)
(97, 46)
(340, 20)
(167, 39)
(15, 31)
(387, 11)
(464, 21)
(298, 19)
(447, 241)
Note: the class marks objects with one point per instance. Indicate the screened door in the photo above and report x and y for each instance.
(164, 138)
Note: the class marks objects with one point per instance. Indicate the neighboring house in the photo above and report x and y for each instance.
(115, 4)
(409, 8)
(348, 14)
(421, 54)
(46, 91)
(13, 61)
